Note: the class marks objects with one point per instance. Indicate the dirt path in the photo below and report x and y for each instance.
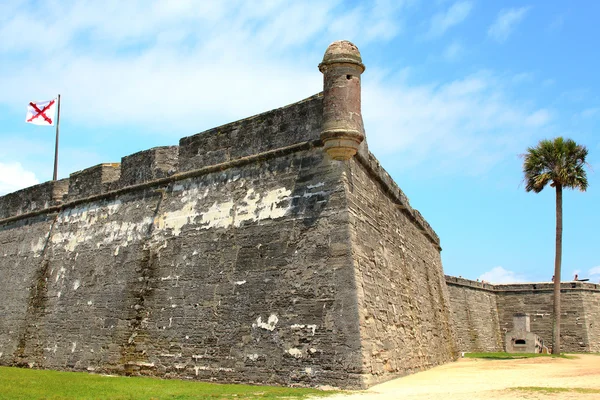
(494, 379)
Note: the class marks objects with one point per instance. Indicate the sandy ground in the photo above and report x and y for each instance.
(492, 379)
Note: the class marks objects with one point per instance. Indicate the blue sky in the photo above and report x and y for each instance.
(454, 91)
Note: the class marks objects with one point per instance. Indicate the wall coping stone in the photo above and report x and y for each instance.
(523, 287)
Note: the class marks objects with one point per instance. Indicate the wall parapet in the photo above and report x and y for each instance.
(57, 206)
(262, 135)
(33, 199)
(522, 287)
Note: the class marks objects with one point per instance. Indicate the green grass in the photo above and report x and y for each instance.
(21, 383)
(514, 356)
(540, 389)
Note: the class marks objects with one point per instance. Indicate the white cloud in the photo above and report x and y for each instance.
(501, 275)
(13, 177)
(443, 21)
(453, 51)
(467, 125)
(178, 65)
(590, 112)
(594, 272)
(506, 21)
(538, 119)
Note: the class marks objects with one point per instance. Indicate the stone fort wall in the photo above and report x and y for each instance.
(483, 313)
(245, 254)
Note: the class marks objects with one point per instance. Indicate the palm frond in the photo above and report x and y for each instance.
(558, 162)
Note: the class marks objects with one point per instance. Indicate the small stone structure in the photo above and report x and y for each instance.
(520, 339)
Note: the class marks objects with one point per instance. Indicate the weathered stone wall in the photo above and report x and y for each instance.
(537, 300)
(402, 298)
(475, 316)
(591, 307)
(483, 313)
(239, 271)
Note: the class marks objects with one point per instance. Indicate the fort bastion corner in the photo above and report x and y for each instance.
(274, 249)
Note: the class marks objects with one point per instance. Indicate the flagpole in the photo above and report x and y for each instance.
(56, 144)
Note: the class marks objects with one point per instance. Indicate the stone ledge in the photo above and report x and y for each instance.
(370, 163)
(523, 287)
(164, 181)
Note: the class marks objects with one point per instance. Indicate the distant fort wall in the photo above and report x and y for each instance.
(483, 313)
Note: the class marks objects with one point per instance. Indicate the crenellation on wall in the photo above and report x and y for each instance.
(93, 181)
(33, 199)
(279, 128)
(148, 165)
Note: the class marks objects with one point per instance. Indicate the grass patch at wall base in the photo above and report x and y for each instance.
(550, 390)
(25, 384)
(514, 356)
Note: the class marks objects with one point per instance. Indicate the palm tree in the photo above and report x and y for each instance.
(561, 163)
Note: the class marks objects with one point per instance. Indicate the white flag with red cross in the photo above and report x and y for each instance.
(41, 112)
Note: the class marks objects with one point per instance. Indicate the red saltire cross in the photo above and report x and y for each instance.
(41, 112)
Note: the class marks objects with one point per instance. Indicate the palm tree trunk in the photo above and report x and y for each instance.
(557, 267)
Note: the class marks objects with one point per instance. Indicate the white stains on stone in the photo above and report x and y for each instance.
(219, 215)
(311, 194)
(60, 273)
(170, 278)
(207, 368)
(176, 220)
(144, 364)
(269, 325)
(92, 222)
(252, 357)
(37, 248)
(51, 349)
(73, 347)
(312, 328)
(90, 302)
(308, 370)
(239, 282)
(75, 226)
(294, 352)
(271, 204)
(76, 284)
(316, 185)
(246, 210)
